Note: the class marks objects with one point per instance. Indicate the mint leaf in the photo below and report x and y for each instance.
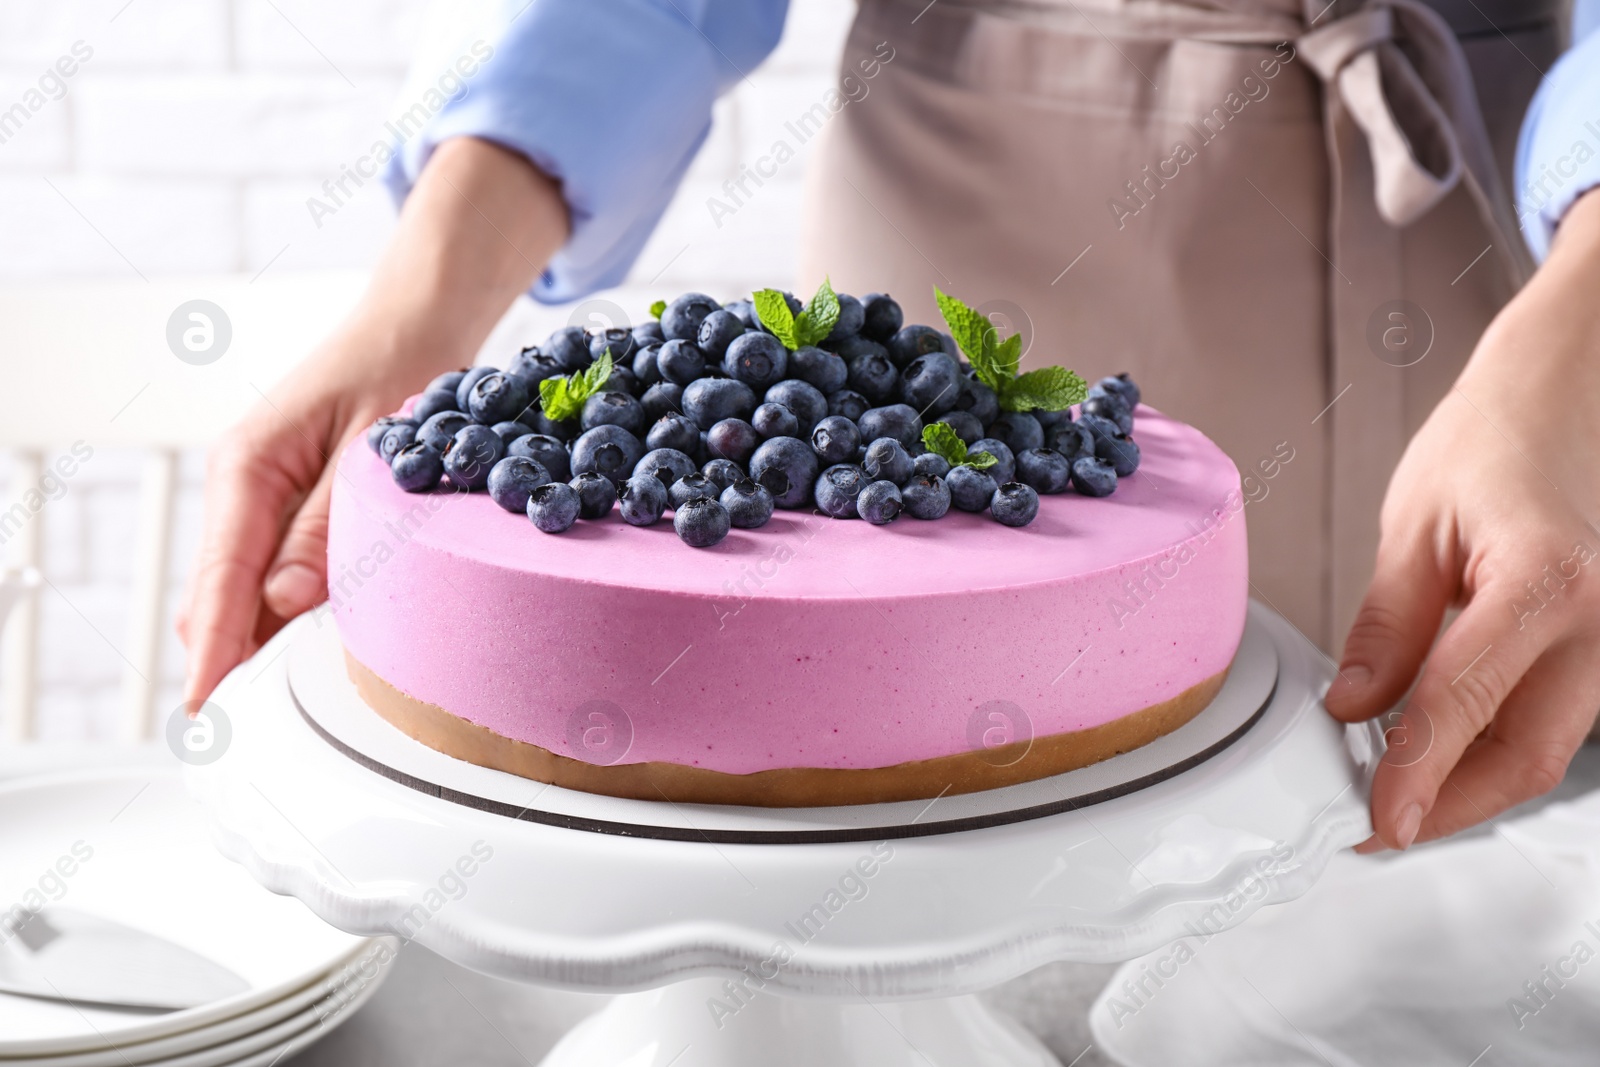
(657, 308)
(814, 324)
(1045, 389)
(971, 330)
(773, 311)
(941, 438)
(1007, 354)
(562, 398)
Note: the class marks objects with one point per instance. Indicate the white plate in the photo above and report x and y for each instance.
(321, 690)
(131, 846)
(250, 1031)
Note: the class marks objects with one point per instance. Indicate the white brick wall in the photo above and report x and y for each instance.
(188, 143)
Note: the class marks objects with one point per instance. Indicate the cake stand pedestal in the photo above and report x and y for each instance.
(864, 949)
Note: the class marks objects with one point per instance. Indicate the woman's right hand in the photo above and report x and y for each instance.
(475, 231)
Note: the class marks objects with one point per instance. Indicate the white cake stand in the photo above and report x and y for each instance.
(794, 938)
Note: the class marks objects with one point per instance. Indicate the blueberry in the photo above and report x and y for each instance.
(1018, 429)
(673, 431)
(887, 460)
(464, 387)
(532, 366)
(851, 318)
(926, 496)
(835, 439)
(417, 468)
(569, 347)
(617, 341)
(376, 431)
(837, 490)
(970, 489)
(1014, 504)
(565, 430)
(1109, 406)
(979, 401)
(909, 342)
(666, 465)
(512, 479)
(1005, 467)
(682, 318)
(724, 472)
(756, 358)
(805, 400)
(623, 380)
(662, 398)
(1121, 384)
(509, 431)
(856, 345)
(1049, 420)
(496, 397)
(708, 401)
(471, 454)
(596, 494)
(879, 503)
(681, 362)
(931, 464)
(394, 439)
(717, 331)
(437, 431)
(446, 381)
(1100, 427)
(545, 451)
(881, 316)
(646, 371)
(648, 333)
(642, 500)
(1121, 452)
(899, 421)
(701, 522)
(775, 420)
(749, 504)
(825, 370)
(847, 403)
(433, 403)
(613, 409)
(692, 486)
(1093, 476)
(745, 311)
(788, 468)
(931, 383)
(732, 439)
(874, 377)
(609, 450)
(1045, 469)
(1071, 440)
(553, 507)
(966, 426)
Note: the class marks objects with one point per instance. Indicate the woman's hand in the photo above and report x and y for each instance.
(1492, 510)
(475, 231)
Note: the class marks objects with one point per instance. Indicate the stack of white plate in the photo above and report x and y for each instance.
(130, 847)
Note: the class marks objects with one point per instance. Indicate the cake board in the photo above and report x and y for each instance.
(863, 947)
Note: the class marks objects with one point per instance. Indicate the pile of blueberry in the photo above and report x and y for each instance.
(721, 412)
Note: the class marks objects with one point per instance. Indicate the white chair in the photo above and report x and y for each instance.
(91, 361)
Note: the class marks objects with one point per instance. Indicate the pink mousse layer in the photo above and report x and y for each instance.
(811, 642)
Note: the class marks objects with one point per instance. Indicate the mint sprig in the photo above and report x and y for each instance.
(995, 362)
(657, 308)
(942, 439)
(812, 325)
(562, 398)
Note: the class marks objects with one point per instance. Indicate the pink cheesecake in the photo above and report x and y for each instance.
(813, 661)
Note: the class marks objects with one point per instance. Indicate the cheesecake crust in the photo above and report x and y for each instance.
(785, 787)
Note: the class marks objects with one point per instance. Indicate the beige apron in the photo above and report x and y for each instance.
(1187, 190)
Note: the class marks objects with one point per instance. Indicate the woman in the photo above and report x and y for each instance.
(1288, 219)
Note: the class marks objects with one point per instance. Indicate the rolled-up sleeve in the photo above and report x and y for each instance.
(612, 99)
(1558, 152)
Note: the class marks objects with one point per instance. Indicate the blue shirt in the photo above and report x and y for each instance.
(612, 98)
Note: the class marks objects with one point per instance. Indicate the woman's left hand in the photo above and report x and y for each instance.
(1493, 509)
